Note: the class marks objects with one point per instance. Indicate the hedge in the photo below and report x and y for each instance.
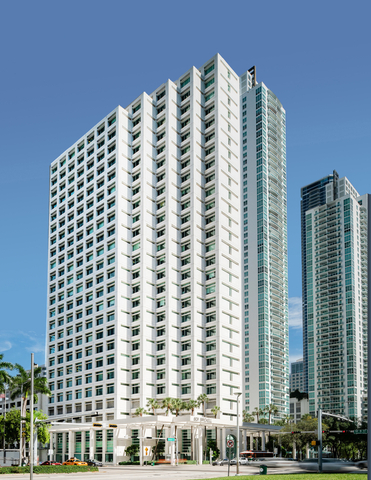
(49, 469)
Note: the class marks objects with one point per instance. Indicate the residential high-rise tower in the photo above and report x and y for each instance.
(336, 246)
(264, 244)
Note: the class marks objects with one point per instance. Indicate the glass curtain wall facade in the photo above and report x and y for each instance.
(264, 245)
(337, 288)
(312, 195)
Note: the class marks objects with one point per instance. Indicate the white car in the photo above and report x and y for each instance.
(242, 461)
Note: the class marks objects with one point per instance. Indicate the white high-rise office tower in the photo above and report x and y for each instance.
(264, 240)
(336, 243)
(144, 295)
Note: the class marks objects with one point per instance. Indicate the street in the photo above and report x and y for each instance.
(181, 472)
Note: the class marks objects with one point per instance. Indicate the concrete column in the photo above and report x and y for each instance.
(64, 436)
(263, 441)
(244, 434)
(82, 444)
(92, 444)
(200, 445)
(222, 443)
(307, 450)
(172, 444)
(104, 444)
(294, 449)
(115, 437)
(71, 444)
(141, 446)
(52, 441)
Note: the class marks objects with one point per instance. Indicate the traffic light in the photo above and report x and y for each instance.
(295, 432)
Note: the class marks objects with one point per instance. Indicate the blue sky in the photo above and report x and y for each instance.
(65, 65)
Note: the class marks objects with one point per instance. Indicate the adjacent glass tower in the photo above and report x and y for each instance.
(312, 195)
(264, 245)
(336, 251)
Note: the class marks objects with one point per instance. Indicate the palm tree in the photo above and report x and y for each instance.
(271, 410)
(153, 405)
(192, 405)
(257, 412)
(139, 412)
(177, 405)
(203, 399)
(247, 417)
(21, 387)
(215, 410)
(5, 378)
(167, 403)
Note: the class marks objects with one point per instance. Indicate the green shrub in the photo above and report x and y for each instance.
(49, 469)
(191, 462)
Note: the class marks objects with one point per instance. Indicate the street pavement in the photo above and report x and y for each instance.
(181, 472)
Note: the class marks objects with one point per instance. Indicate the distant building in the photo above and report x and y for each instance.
(298, 408)
(296, 376)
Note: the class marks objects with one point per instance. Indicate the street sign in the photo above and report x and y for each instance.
(171, 439)
(230, 443)
(147, 451)
(360, 432)
(112, 425)
(97, 424)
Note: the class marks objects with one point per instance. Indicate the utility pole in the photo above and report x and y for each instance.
(320, 440)
(238, 394)
(31, 417)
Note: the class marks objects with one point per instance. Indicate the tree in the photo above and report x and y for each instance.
(5, 377)
(153, 405)
(192, 405)
(177, 405)
(212, 444)
(271, 409)
(132, 450)
(139, 412)
(306, 424)
(167, 403)
(202, 400)
(247, 417)
(257, 412)
(20, 386)
(215, 410)
(12, 427)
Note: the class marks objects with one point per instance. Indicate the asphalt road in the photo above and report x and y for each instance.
(181, 472)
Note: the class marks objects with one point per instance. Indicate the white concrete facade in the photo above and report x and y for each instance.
(144, 247)
(144, 291)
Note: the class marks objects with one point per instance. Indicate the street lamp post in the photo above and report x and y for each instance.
(238, 394)
(31, 417)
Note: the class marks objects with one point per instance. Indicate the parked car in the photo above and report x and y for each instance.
(278, 462)
(49, 462)
(329, 465)
(242, 461)
(223, 461)
(94, 463)
(75, 461)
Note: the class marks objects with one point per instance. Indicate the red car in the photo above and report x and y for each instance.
(48, 462)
